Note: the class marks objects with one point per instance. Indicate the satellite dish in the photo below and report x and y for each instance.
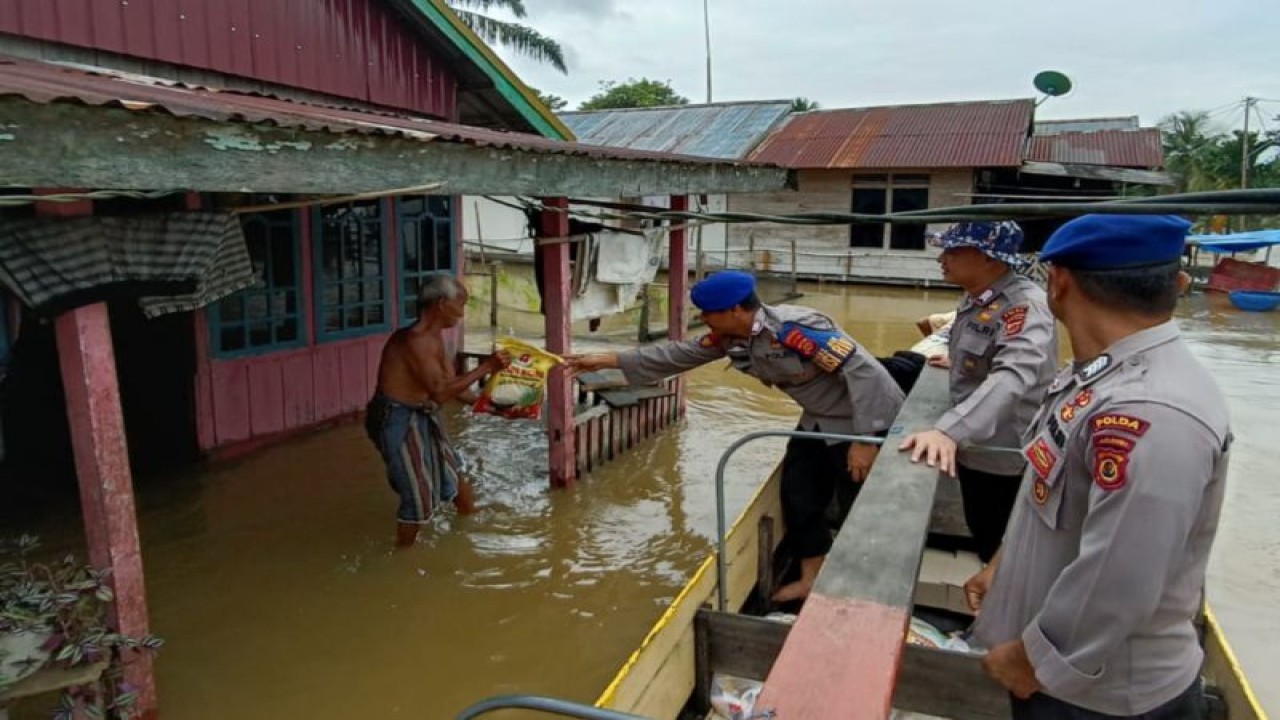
(1052, 83)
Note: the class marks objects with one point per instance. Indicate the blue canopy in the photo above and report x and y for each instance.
(1236, 242)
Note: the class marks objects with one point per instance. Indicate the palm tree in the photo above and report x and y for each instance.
(1189, 150)
(520, 38)
(803, 104)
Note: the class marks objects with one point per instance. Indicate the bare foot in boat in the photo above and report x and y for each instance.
(797, 590)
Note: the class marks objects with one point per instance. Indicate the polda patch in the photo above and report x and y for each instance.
(1110, 468)
(1120, 423)
(709, 340)
(1014, 319)
(1041, 456)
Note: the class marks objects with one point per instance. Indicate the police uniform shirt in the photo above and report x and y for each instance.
(1103, 565)
(1003, 350)
(839, 385)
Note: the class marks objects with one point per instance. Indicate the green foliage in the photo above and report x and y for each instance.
(516, 36)
(804, 104)
(1200, 157)
(70, 602)
(634, 94)
(554, 102)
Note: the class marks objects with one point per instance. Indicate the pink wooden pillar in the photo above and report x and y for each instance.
(88, 366)
(678, 285)
(555, 308)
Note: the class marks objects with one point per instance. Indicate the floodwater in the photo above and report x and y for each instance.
(273, 581)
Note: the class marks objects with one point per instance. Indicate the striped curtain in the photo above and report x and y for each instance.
(169, 263)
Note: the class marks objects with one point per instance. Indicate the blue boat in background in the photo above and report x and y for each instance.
(1255, 300)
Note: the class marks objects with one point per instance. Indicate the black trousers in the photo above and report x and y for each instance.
(988, 502)
(1190, 705)
(814, 472)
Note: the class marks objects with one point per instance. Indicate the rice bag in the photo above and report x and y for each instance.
(517, 390)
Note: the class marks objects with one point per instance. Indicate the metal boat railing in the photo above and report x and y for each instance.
(722, 579)
(554, 706)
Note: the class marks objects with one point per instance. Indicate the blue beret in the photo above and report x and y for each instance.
(1101, 242)
(722, 290)
(999, 240)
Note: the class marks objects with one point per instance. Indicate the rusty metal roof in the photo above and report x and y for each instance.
(728, 131)
(42, 82)
(1139, 148)
(1053, 127)
(972, 134)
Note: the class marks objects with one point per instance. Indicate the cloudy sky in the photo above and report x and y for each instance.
(1144, 57)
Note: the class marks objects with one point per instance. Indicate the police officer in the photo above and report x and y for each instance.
(1091, 608)
(1002, 353)
(840, 386)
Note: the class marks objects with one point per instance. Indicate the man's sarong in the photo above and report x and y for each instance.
(421, 464)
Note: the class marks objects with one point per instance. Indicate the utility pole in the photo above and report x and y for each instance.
(706, 22)
(1244, 144)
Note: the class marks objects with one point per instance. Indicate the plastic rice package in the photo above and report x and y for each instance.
(517, 390)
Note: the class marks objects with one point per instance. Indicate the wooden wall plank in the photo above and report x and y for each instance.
(266, 397)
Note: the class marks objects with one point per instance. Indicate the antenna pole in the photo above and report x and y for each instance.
(1244, 144)
(706, 22)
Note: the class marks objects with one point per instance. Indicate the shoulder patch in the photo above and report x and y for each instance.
(828, 349)
(1120, 423)
(709, 340)
(1014, 318)
(1110, 468)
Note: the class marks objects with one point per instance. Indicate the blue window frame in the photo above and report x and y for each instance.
(426, 244)
(352, 297)
(267, 316)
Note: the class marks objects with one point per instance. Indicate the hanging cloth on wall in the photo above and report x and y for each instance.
(629, 258)
(170, 263)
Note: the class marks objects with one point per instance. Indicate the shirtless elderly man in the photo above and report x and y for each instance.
(415, 379)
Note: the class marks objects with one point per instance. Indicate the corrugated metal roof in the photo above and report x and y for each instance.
(721, 130)
(976, 134)
(49, 82)
(1139, 148)
(1053, 127)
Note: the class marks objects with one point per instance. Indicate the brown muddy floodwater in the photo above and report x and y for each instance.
(273, 581)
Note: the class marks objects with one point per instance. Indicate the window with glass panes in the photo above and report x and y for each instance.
(351, 269)
(426, 244)
(266, 316)
(876, 194)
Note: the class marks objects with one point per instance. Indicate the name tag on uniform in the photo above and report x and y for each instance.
(828, 349)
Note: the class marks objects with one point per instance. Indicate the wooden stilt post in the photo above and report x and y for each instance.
(555, 306)
(678, 285)
(88, 366)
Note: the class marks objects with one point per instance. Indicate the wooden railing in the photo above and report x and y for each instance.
(613, 417)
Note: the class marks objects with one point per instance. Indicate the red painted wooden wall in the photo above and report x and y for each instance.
(243, 401)
(359, 49)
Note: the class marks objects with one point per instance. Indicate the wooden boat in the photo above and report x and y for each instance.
(845, 657)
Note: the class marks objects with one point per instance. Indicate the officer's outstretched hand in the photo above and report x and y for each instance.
(935, 447)
(590, 363)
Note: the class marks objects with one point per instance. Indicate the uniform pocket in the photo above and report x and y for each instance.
(974, 353)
